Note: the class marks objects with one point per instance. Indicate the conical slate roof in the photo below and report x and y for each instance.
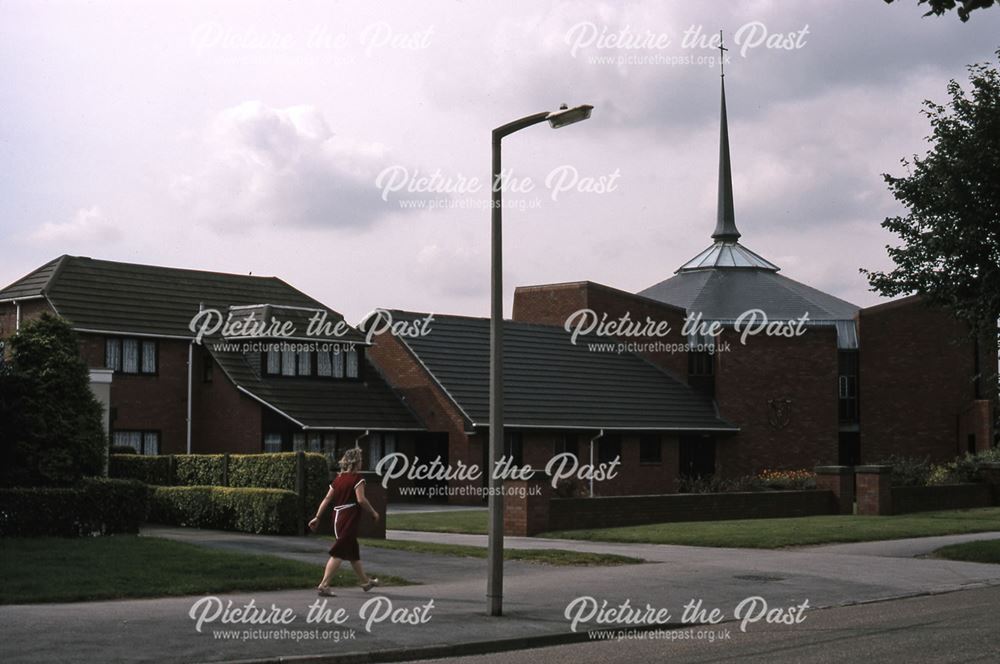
(727, 279)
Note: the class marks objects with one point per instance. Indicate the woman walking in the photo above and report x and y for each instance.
(347, 493)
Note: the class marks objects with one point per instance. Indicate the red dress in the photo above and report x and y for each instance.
(346, 516)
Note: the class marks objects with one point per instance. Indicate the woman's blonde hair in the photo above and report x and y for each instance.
(351, 460)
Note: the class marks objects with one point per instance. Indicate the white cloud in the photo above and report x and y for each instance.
(281, 167)
(88, 226)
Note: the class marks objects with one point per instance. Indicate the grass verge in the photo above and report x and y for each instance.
(985, 551)
(801, 531)
(55, 569)
(543, 556)
(461, 521)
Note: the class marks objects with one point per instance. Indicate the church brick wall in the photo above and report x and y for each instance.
(916, 368)
(800, 369)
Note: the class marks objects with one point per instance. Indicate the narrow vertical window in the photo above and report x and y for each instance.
(351, 358)
(149, 357)
(130, 356)
(113, 354)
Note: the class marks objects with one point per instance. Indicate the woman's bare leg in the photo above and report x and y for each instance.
(331, 568)
(356, 564)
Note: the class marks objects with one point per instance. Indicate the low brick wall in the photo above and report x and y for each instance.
(605, 512)
(906, 499)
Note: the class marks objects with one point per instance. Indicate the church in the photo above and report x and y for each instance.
(856, 386)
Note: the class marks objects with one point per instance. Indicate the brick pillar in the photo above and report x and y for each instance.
(874, 490)
(840, 481)
(376, 495)
(526, 505)
(990, 472)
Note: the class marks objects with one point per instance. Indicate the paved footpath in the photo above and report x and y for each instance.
(536, 598)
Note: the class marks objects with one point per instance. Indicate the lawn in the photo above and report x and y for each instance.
(984, 551)
(54, 569)
(750, 533)
(544, 556)
(461, 521)
(777, 533)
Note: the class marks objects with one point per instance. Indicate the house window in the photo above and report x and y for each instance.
(272, 442)
(351, 358)
(514, 447)
(338, 363)
(847, 386)
(569, 443)
(330, 444)
(609, 448)
(305, 363)
(697, 456)
(315, 442)
(131, 356)
(324, 364)
(380, 445)
(288, 363)
(273, 362)
(650, 450)
(143, 442)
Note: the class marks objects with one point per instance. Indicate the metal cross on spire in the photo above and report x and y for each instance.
(722, 55)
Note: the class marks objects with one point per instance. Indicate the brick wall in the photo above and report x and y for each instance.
(223, 418)
(153, 403)
(576, 513)
(29, 309)
(906, 499)
(800, 369)
(434, 409)
(552, 304)
(915, 377)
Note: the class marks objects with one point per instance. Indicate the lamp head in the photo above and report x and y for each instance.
(567, 116)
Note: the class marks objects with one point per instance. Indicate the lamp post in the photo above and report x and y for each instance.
(556, 119)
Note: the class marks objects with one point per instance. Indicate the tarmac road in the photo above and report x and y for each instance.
(952, 627)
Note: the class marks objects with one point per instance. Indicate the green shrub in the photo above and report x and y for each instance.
(122, 449)
(716, 484)
(51, 431)
(278, 471)
(908, 471)
(198, 470)
(93, 506)
(249, 510)
(148, 469)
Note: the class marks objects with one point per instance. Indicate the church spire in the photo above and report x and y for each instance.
(725, 226)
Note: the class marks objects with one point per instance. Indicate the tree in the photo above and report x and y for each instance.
(950, 249)
(941, 7)
(51, 429)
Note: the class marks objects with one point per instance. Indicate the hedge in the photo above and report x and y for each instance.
(94, 506)
(198, 470)
(249, 510)
(147, 469)
(270, 471)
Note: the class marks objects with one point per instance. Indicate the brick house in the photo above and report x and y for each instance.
(170, 394)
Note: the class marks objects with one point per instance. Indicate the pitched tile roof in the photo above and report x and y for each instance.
(109, 296)
(317, 403)
(550, 382)
(106, 296)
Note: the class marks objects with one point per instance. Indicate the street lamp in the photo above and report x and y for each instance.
(556, 119)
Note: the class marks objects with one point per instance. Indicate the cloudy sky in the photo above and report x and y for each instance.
(345, 146)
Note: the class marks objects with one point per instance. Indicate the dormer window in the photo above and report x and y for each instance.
(341, 362)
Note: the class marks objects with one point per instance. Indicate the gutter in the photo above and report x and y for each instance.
(189, 388)
(600, 434)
